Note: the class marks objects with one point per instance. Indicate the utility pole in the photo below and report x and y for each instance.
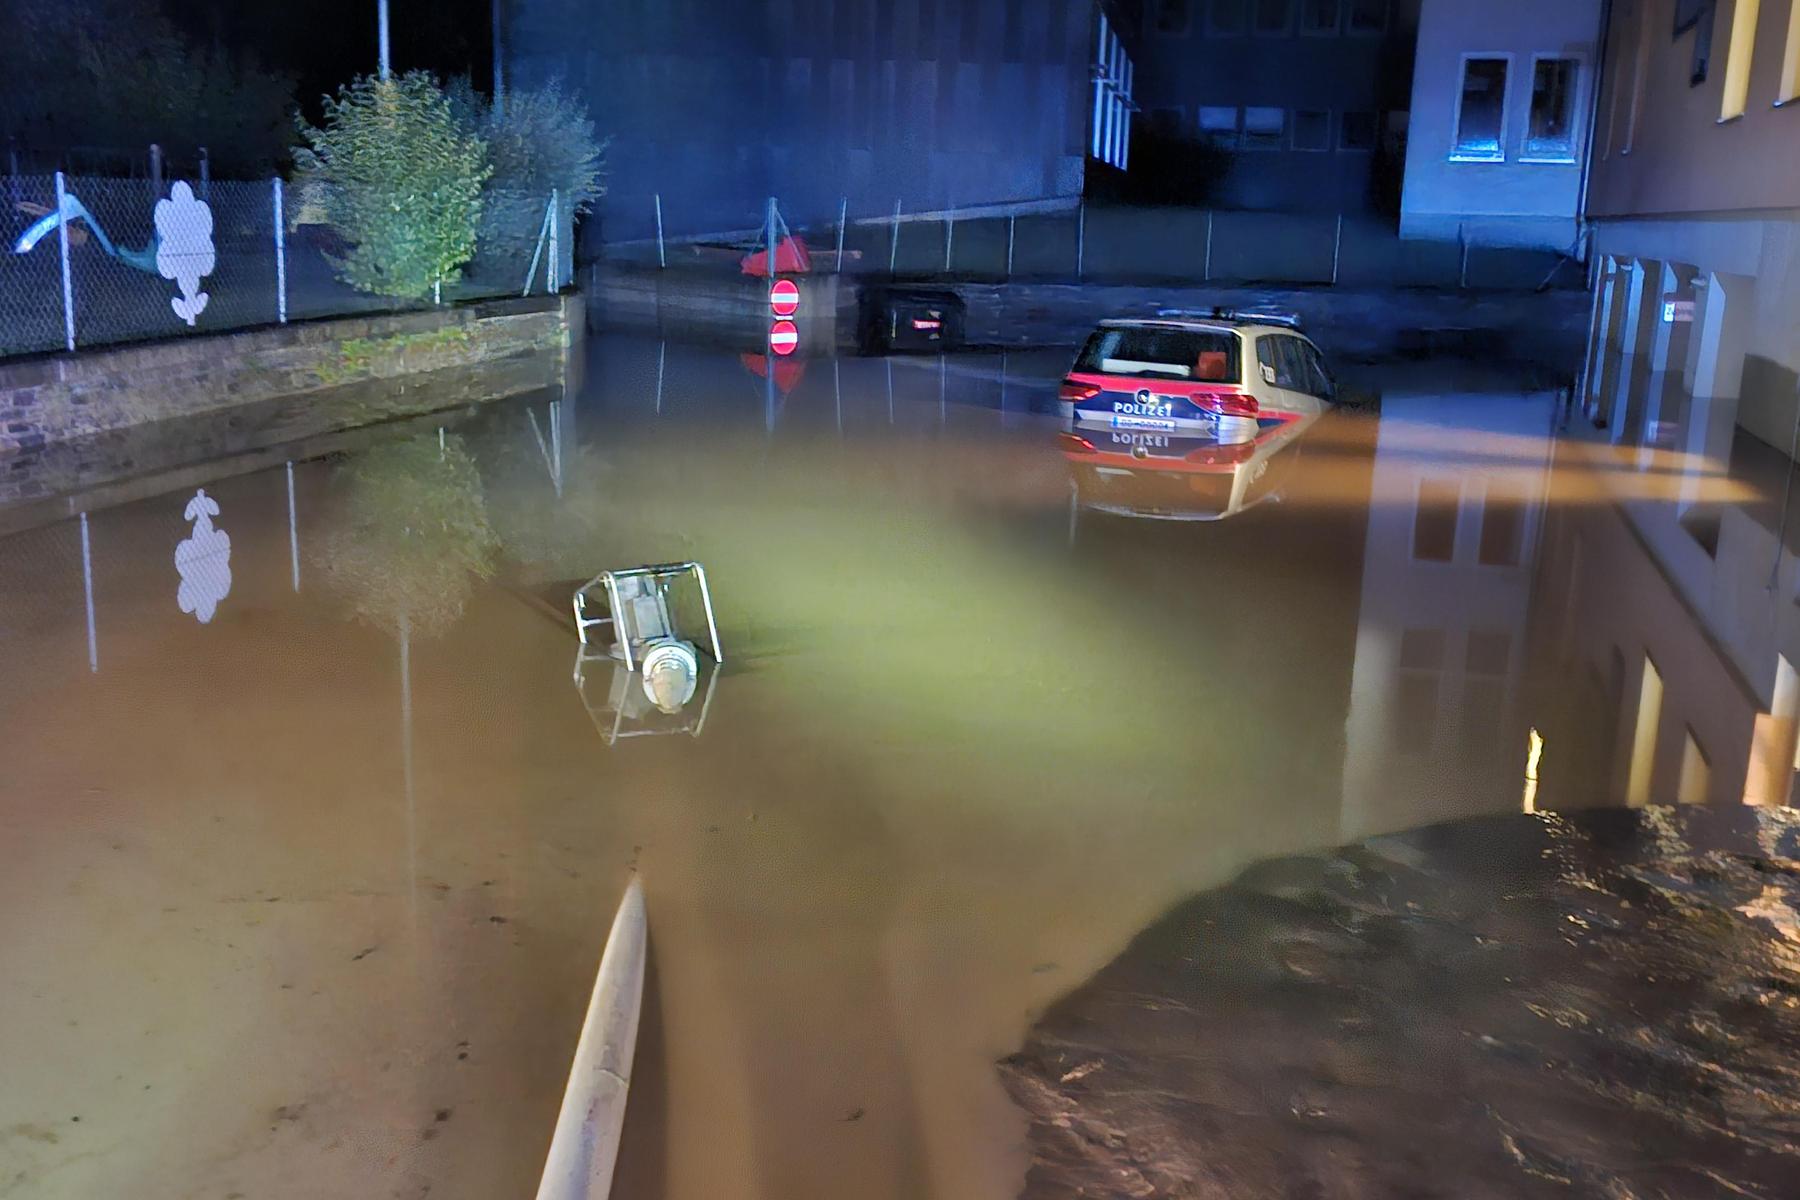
(382, 19)
(499, 74)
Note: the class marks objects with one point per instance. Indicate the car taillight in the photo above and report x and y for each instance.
(1229, 404)
(1077, 392)
(1076, 443)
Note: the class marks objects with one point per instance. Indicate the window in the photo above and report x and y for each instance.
(1416, 689)
(1110, 141)
(1790, 61)
(1271, 17)
(1502, 527)
(1319, 16)
(1323, 385)
(1696, 772)
(1703, 35)
(1225, 18)
(1643, 737)
(1550, 137)
(1265, 128)
(1368, 16)
(1162, 354)
(1166, 122)
(1219, 125)
(1481, 111)
(1312, 130)
(1358, 131)
(1484, 691)
(1434, 522)
(1173, 17)
(1283, 362)
(1740, 45)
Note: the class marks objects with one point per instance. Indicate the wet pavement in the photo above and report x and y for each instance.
(309, 841)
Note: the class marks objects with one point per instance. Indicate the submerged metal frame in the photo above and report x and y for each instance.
(661, 574)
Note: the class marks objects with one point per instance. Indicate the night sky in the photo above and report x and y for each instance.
(325, 42)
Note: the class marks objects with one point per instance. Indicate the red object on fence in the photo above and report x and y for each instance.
(791, 258)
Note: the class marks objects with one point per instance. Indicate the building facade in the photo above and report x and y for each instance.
(928, 104)
(1503, 97)
(1303, 103)
(1695, 206)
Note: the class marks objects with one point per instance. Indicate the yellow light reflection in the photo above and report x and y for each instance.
(1533, 756)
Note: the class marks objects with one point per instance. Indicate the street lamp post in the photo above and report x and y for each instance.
(381, 7)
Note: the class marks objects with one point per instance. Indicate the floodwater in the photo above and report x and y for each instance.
(309, 840)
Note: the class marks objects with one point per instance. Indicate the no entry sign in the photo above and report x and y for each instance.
(784, 337)
(784, 298)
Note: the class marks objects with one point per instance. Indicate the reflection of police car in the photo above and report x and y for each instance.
(1190, 417)
(1218, 375)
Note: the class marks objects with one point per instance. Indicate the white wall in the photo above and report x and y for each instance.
(1496, 203)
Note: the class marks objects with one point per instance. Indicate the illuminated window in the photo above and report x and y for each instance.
(1111, 135)
(1696, 772)
(1740, 47)
(1790, 62)
(1218, 125)
(1271, 16)
(1368, 16)
(1357, 132)
(1225, 18)
(1319, 16)
(1643, 736)
(1173, 17)
(1312, 130)
(1550, 136)
(1481, 110)
(1502, 527)
(1265, 128)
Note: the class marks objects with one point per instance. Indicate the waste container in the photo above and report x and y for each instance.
(911, 321)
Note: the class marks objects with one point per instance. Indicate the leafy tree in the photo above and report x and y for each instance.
(539, 140)
(400, 178)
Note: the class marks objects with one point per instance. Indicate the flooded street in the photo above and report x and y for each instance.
(309, 842)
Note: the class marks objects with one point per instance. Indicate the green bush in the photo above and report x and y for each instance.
(400, 177)
(539, 140)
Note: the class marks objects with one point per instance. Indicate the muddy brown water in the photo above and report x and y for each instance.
(304, 872)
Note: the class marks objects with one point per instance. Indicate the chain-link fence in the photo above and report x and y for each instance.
(1068, 239)
(129, 261)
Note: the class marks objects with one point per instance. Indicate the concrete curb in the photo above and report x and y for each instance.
(586, 1143)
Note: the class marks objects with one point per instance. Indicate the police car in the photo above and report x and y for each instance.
(1222, 375)
(1191, 416)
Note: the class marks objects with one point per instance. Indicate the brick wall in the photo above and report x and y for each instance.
(46, 402)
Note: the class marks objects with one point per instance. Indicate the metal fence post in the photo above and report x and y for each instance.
(1080, 236)
(62, 245)
(894, 241)
(1012, 223)
(280, 256)
(1206, 268)
(205, 176)
(662, 255)
(949, 237)
(554, 270)
(1462, 245)
(1337, 249)
(843, 219)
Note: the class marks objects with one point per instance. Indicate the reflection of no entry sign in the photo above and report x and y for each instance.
(783, 337)
(784, 298)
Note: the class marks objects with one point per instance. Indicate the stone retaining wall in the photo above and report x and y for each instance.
(68, 397)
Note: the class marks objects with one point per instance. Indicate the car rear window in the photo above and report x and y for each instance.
(1204, 356)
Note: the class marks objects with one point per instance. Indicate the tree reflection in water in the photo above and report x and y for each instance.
(409, 534)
